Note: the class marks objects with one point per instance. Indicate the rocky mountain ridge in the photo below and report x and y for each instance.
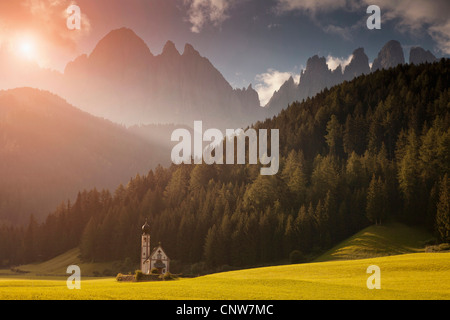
(317, 76)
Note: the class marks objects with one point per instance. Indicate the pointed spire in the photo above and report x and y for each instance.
(146, 228)
(170, 49)
(189, 50)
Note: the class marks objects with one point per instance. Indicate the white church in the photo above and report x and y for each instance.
(152, 259)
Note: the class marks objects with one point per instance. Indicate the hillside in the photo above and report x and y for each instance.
(371, 242)
(58, 266)
(378, 241)
(390, 247)
(367, 151)
(51, 150)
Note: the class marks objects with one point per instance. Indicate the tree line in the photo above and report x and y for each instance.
(363, 152)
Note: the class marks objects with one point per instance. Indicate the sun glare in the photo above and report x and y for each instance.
(26, 50)
(25, 47)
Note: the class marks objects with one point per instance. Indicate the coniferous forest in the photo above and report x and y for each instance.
(364, 152)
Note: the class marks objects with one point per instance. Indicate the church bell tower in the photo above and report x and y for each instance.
(145, 248)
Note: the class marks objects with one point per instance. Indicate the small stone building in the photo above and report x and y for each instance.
(152, 259)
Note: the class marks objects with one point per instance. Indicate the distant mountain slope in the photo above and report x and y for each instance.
(58, 266)
(50, 150)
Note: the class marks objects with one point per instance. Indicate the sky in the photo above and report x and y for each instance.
(258, 42)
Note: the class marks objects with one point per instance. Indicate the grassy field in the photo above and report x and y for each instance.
(58, 265)
(406, 273)
(409, 276)
(379, 241)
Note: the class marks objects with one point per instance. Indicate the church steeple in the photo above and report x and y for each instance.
(146, 228)
(145, 248)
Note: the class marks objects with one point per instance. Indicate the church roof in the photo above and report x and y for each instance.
(155, 250)
(159, 247)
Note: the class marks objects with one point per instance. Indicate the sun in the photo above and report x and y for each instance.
(26, 49)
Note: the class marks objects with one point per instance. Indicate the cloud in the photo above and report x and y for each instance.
(334, 62)
(310, 6)
(344, 32)
(416, 17)
(201, 12)
(316, 11)
(271, 81)
(441, 33)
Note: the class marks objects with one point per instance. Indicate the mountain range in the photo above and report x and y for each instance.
(53, 145)
(123, 81)
(368, 151)
(317, 76)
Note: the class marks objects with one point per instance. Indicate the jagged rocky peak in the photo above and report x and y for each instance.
(358, 65)
(121, 43)
(290, 81)
(118, 52)
(170, 50)
(248, 96)
(316, 76)
(359, 53)
(418, 55)
(390, 56)
(338, 70)
(316, 64)
(248, 89)
(288, 85)
(189, 50)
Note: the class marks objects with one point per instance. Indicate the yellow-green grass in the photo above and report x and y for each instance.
(379, 241)
(374, 241)
(410, 276)
(58, 266)
(403, 276)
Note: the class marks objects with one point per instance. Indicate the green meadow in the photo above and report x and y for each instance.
(407, 272)
(379, 241)
(409, 276)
